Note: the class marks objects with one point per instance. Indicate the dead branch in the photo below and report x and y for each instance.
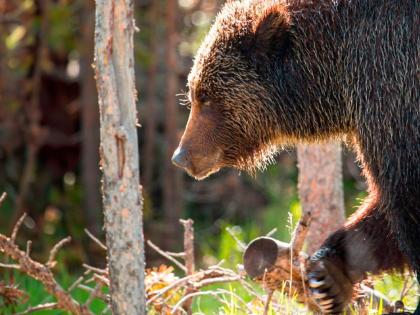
(28, 248)
(17, 226)
(241, 244)
(9, 266)
(43, 274)
(94, 293)
(96, 240)
(268, 301)
(51, 260)
(41, 307)
(96, 270)
(167, 256)
(3, 198)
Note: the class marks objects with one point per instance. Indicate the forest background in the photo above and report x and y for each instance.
(49, 138)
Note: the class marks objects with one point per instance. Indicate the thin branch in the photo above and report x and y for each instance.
(96, 240)
(95, 270)
(75, 284)
(271, 233)
(196, 277)
(267, 302)
(97, 292)
(180, 255)
(164, 254)
(17, 227)
(211, 281)
(241, 244)
(101, 279)
(106, 309)
(191, 295)
(41, 307)
(100, 295)
(28, 247)
(9, 266)
(3, 198)
(51, 260)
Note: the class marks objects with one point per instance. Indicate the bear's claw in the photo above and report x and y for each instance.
(329, 287)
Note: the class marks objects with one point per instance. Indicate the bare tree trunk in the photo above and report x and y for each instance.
(172, 177)
(114, 60)
(321, 190)
(150, 119)
(90, 124)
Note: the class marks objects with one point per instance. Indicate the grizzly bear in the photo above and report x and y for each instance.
(275, 73)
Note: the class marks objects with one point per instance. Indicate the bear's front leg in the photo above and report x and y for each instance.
(364, 245)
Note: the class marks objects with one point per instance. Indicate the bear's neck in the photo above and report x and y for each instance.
(309, 82)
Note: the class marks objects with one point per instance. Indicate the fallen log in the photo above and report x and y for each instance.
(271, 263)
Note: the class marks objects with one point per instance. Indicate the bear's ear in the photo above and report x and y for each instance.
(271, 31)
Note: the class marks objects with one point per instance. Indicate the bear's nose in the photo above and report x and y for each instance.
(179, 158)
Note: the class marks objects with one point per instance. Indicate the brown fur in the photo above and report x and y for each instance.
(274, 73)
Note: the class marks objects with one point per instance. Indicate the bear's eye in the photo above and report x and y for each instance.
(203, 98)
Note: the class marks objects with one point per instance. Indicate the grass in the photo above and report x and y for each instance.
(227, 299)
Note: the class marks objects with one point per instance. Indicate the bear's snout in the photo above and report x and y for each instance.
(197, 164)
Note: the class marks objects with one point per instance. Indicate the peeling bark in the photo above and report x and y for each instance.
(114, 61)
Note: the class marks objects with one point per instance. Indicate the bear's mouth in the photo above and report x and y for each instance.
(202, 174)
(197, 165)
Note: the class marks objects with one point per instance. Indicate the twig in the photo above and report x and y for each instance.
(51, 260)
(271, 233)
(106, 309)
(241, 244)
(3, 198)
(96, 240)
(406, 288)
(95, 270)
(28, 247)
(9, 266)
(76, 283)
(101, 279)
(191, 295)
(17, 227)
(41, 307)
(267, 302)
(97, 292)
(181, 254)
(198, 276)
(161, 252)
(211, 281)
(300, 233)
(92, 291)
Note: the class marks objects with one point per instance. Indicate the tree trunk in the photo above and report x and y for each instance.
(114, 61)
(172, 177)
(321, 190)
(90, 124)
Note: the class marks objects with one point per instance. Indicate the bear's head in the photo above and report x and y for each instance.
(233, 120)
